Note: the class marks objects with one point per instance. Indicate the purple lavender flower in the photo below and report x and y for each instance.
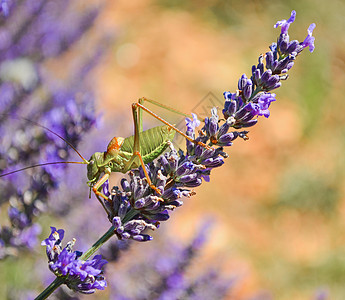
(27, 238)
(5, 7)
(192, 124)
(253, 97)
(166, 270)
(284, 46)
(285, 24)
(321, 294)
(33, 32)
(81, 276)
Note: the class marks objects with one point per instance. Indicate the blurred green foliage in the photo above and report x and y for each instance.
(219, 12)
(296, 278)
(307, 192)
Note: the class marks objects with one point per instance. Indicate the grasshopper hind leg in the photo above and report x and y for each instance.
(136, 147)
(137, 109)
(140, 106)
(149, 182)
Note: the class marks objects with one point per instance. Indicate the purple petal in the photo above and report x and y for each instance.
(192, 124)
(285, 24)
(309, 40)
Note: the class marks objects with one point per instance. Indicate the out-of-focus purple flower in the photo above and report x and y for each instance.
(5, 7)
(28, 237)
(31, 94)
(321, 294)
(167, 272)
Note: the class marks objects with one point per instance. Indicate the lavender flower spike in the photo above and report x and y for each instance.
(81, 276)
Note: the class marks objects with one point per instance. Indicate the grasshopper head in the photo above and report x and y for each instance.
(93, 168)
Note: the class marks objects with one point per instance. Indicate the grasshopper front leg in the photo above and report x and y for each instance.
(99, 183)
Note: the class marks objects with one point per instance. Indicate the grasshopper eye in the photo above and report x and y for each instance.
(92, 162)
(110, 164)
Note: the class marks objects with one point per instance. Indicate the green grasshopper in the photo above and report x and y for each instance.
(124, 154)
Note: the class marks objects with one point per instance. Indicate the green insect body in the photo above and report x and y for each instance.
(153, 143)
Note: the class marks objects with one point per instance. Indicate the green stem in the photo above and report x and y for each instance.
(98, 244)
(51, 288)
(129, 216)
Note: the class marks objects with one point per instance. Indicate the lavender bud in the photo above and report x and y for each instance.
(206, 154)
(250, 123)
(123, 209)
(232, 108)
(142, 238)
(161, 216)
(224, 128)
(250, 115)
(188, 178)
(247, 89)
(198, 150)
(266, 75)
(214, 162)
(125, 185)
(193, 183)
(161, 181)
(171, 193)
(226, 139)
(126, 235)
(213, 126)
(116, 222)
(165, 164)
(120, 230)
(186, 167)
(173, 161)
(242, 82)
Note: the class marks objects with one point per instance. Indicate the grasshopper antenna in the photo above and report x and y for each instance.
(43, 164)
(56, 134)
